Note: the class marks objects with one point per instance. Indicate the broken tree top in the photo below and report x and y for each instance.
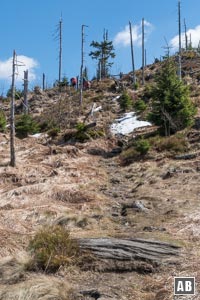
(130, 249)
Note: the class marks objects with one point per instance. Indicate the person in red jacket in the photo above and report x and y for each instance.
(73, 82)
(86, 84)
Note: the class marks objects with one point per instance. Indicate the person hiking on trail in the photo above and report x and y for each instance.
(73, 82)
(86, 84)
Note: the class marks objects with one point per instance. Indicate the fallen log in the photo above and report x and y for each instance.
(130, 254)
(88, 126)
(186, 156)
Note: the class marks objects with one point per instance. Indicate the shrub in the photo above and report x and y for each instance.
(26, 125)
(62, 83)
(125, 101)
(142, 146)
(138, 150)
(44, 125)
(84, 133)
(174, 143)
(53, 132)
(81, 133)
(129, 155)
(52, 248)
(96, 133)
(81, 127)
(172, 109)
(17, 93)
(37, 90)
(2, 121)
(140, 106)
(147, 93)
(136, 86)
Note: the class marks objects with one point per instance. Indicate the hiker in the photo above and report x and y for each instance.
(86, 84)
(73, 82)
(120, 75)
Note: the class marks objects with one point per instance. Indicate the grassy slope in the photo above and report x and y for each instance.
(87, 192)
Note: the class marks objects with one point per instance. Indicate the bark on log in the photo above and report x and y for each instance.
(91, 125)
(124, 249)
(186, 156)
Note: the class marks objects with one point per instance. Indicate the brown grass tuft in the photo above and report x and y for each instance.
(68, 196)
(37, 288)
(52, 247)
(12, 270)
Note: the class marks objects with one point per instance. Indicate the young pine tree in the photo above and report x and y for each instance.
(125, 101)
(104, 51)
(172, 109)
(2, 121)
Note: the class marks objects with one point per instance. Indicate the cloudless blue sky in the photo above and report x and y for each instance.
(28, 27)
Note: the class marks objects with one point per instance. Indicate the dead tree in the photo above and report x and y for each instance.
(43, 81)
(132, 53)
(186, 37)
(179, 30)
(167, 48)
(145, 57)
(82, 62)
(12, 110)
(143, 52)
(58, 38)
(12, 114)
(25, 103)
(60, 49)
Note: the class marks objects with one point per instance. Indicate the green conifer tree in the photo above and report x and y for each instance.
(172, 109)
(104, 51)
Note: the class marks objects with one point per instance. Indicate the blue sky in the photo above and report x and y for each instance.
(28, 27)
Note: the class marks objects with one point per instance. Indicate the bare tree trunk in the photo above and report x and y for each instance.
(82, 59)
(12, 115)
(190, 41)
(43, 81)
(145, 57)
(168, 118)
(99, 70)
(143, 54)
(60, 51)
(132, 54)
(82, 62)
(179, 27)
(186, 37)
(26, 92)
(77, 83)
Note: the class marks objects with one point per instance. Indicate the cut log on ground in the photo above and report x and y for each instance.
(186, 156)
(91, 125)
(114, 254)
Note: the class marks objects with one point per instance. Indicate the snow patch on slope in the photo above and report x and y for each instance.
(127, 124)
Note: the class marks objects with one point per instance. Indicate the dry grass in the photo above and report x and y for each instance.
(72, 220)
(69, 196)
(12, 269)
(52, 247)
(38, 287)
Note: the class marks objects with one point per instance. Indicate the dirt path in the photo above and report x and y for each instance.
(96, 197)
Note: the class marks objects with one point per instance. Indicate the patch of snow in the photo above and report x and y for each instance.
(116, 98)
(99, 108)
(95, 109)
(127, 124)
(37, 135)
